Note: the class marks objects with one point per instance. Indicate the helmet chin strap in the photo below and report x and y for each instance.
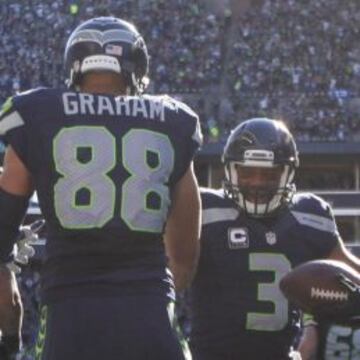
(256, 209)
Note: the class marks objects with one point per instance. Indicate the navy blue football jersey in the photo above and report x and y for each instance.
(237, 308)
(104, 168)
(339, 341)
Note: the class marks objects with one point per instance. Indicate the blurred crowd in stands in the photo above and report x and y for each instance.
(183, 41)
(298, 61)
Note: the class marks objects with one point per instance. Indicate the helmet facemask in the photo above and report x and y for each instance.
(262, 199)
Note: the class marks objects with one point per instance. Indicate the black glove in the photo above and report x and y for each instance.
(9, 347)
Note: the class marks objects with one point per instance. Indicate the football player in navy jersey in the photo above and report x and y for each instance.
(255, 230)
(113, 172)
(329, 340)
(333, 333)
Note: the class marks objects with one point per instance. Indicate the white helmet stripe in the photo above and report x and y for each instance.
(102, 37)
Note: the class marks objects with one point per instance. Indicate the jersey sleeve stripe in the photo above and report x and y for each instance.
(10, 122)
(315, 221)
(218, 214)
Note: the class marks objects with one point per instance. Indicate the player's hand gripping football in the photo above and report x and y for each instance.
(23, 249)
(352, 308)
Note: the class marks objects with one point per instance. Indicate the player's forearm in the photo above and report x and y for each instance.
(183, 251)
(15, 190)
(11, 309)
(182, 231)
(12, 211)
(184, 269)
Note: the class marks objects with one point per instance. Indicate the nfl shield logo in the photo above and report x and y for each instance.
(270, 238)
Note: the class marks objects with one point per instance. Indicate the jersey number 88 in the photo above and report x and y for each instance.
(147, 178)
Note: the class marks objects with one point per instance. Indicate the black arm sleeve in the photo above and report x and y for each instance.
(12, 212)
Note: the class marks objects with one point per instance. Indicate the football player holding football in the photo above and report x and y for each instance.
(254, 231)
(113, 172)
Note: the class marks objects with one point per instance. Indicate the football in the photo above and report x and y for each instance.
(319, 285)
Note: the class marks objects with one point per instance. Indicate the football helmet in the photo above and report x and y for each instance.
(107, 43)
(267, 146)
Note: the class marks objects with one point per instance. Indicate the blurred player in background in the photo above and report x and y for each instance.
(254, 231)
(336, 334)
(328, 340)
(112, 169)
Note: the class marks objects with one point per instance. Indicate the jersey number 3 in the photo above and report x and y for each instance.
(279, 265)
(85, 155)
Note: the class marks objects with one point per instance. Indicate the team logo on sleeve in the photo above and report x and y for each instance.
(238, 238)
